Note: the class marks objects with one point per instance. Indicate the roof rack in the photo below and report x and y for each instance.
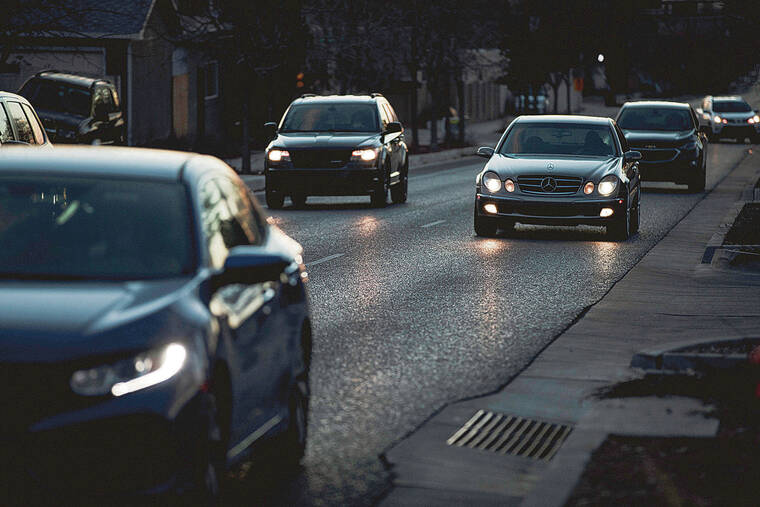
(375, 94)
(306, 95)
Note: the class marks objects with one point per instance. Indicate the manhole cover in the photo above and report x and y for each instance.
(508, 434)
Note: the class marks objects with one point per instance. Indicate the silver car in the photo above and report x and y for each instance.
(730, 117)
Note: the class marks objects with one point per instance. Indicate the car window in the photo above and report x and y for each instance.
(391, 112)
(337, 117)
(115, 97)
(623, 140)
(559, 139)
(384, 116)
(669, 119)
(731, 106)
(23, 128)
(39, 136)
(241, 208)
(6, 131)
(103, 98)
(221, 228)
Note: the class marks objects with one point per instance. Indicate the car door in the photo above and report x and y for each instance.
(701, 136)
(393, 141)
(244, 311)
(631, 169)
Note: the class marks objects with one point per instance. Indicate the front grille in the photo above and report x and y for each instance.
(657, 155)
(564, 184)
(508, 434)
(316, 159)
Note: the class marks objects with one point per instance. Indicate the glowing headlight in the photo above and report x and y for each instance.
(130, 375)
(492, 182)
(276, 155)
(754, 119)
(367, 155)
(608, 185)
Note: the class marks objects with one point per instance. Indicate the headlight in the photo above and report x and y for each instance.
(130, 375)
(754, 119)
(276, 155)
(717, 119)
(492, 182)
(366, 155)
(608, 185)
(588, 188)
(509, 186)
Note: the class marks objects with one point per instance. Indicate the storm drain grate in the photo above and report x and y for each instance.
(508, 434)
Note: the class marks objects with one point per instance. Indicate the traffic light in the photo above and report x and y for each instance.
(299, 80)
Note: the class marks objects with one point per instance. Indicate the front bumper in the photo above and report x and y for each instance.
(144, 443)
(570, 210)
(349, 180)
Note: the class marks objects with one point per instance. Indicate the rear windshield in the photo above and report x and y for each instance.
(731, 106)
(52, 96)
(655, 118)
(559, 139)
(93, 229)
(331, 118)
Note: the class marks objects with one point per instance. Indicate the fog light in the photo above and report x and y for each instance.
(588, 188)
(606, 212)
(509, 186)
(490, 208)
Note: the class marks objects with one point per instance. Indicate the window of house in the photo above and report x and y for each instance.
(211, 80)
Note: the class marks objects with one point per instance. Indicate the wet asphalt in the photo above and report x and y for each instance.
(411, 311)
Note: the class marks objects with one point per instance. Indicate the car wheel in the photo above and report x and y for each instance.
(485, 226)
(379, 197)
(400, 190)
(208, 469)
(298, 200)
(275, 200)
(697, 183)
(620, 228)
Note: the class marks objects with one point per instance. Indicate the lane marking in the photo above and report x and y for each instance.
(431, 224)
(324, 259)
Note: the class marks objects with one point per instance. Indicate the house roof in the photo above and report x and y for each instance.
(93, 18)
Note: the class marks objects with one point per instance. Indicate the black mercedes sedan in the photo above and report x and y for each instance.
(559, 170)
(153, 327)
(337, 145)
(668, 136)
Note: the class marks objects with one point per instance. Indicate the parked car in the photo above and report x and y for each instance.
(76, 109)
(731, 117)
(19, 123)
(153, 326)
(667, 135)
(337, 145)
(559, 170)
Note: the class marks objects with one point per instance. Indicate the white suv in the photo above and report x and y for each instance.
(729, 117)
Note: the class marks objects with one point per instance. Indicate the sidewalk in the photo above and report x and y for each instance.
(669, 297)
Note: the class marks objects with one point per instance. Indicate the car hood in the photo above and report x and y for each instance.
(657, 137)
(584, 167)
(325, 140)
(53, 321)
(56, 119)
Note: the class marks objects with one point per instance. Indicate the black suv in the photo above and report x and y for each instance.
(76, 109)
(337, 145)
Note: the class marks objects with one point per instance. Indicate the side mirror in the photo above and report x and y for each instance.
(248, 265)
(485, 152)
(632, 156)
(393, 127)
(271, 128)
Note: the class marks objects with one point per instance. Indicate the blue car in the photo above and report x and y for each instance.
(153, 326)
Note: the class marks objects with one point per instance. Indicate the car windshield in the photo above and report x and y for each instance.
(51, 96)
(331, 118)
(559, 139)
(93, 229)
(731, 106)
(655, 118)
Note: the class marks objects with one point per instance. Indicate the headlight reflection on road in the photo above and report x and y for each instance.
(366, 225)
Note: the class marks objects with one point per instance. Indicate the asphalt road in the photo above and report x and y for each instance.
(412, 311)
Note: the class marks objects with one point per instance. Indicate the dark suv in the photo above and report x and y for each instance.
(76, 109)
(337, 145)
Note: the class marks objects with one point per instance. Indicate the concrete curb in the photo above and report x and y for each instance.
(673, 359)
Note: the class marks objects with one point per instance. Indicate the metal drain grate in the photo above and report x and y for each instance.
(508, 434)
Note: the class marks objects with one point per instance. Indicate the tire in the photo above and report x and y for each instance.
(620, 228)
(485, 227)
(400, 190)
(379, 197)
(697, 184)
(274, 200)
(208, 469)
(298, 200)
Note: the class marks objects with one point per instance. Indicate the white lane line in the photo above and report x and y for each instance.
(324, 259)
(431, 224)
